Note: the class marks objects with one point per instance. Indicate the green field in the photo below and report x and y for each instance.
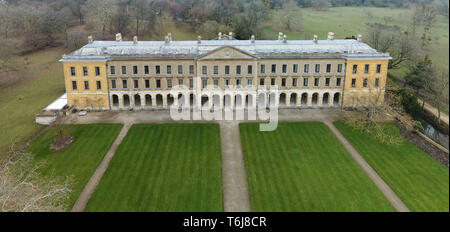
(165, 167)
(419, 180)
(303, 167)
(80, 159)
(347, 21)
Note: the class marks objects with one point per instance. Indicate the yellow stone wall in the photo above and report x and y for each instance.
(93, 98)
(360, 95)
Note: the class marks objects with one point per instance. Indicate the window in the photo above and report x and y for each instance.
(227, 83)
(238, 83)
(305, 82)
(249, 83)
(169, 69)
(284, 68)
(147, 84)
(204, 70)
(355, 68)
(169, 83)
(263, 68)
(295, 68)
(191, 69)
(99, 85)
(316, 81)
(338, 81)
(158, 84)
(72, 71)
(294, 82)
(158, 69)
(283, 82)
(272, 81)
(227, 69)
(366, 68)
(135, 69)
(124, 70)
(113, 70)
(327, 81)
(124, 84)
(180, 83)
(204, 83)
(365, 83)
(317, 68)
(249, 69)
(238, 69)
(353, 83)
(306, 68)
(328, 68)
(136, 84)
(261, 81)
(378, 68)
(74, 85)
(339, 70)
(146, 69)
(180, 69)
(216, 84)
(86, 85)
(113, 84)
(191, 83)
(85, 71)
(274, 68)
(216, 69)
(377, 82)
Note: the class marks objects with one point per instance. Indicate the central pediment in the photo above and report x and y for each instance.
(227, 52)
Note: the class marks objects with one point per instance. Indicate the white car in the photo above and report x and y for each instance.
(82, 113)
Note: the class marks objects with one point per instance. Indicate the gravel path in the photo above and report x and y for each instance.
(396, 202)
(234, 175)
(89, 189)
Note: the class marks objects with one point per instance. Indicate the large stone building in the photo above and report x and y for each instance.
(225, 72)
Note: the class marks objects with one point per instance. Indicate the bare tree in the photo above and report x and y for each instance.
(290, 16)
(99, 13)
(23, 189)
(437, 86)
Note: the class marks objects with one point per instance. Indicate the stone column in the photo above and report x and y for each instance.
(309, 99)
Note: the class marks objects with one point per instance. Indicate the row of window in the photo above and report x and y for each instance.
(86, 85)
(284, 68)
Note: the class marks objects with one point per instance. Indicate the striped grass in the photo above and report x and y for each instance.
(163, 167)
(418, 179)
(303, 167)
(80, 159)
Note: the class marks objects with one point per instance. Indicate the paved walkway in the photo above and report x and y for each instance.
(234, 175)
(434, 111)
(89, 189)
(384, 188)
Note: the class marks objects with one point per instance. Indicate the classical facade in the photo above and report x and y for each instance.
(226, 73)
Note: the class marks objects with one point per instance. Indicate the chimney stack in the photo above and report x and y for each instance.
(199, 39)
(220, 36)
(135, 39)
(280, 35)
(252, 38)
(330, 36)
(118, 37)
(230, 34)
(359, 38)
(285, 39)
(316, 39)
(90, 39)
(166, 39)
(169, 36)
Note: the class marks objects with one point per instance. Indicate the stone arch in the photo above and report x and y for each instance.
(192, 99)
(249, 100)
(205, 100)
(336, 98)
(170, 99)
(326, 99)
(115, 100)
(148, 100)
(137, 100)
(282, 101)
(304, 99)
(159, 100)
(293, 99)
(126, 100)
(216, 100)
(315, 99)
(181, 100)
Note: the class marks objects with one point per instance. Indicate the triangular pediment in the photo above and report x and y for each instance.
(227, 52)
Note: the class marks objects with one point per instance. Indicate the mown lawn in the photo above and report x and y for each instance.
(303, 167)
(163, 167)
(419, 180)
(80, 159)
